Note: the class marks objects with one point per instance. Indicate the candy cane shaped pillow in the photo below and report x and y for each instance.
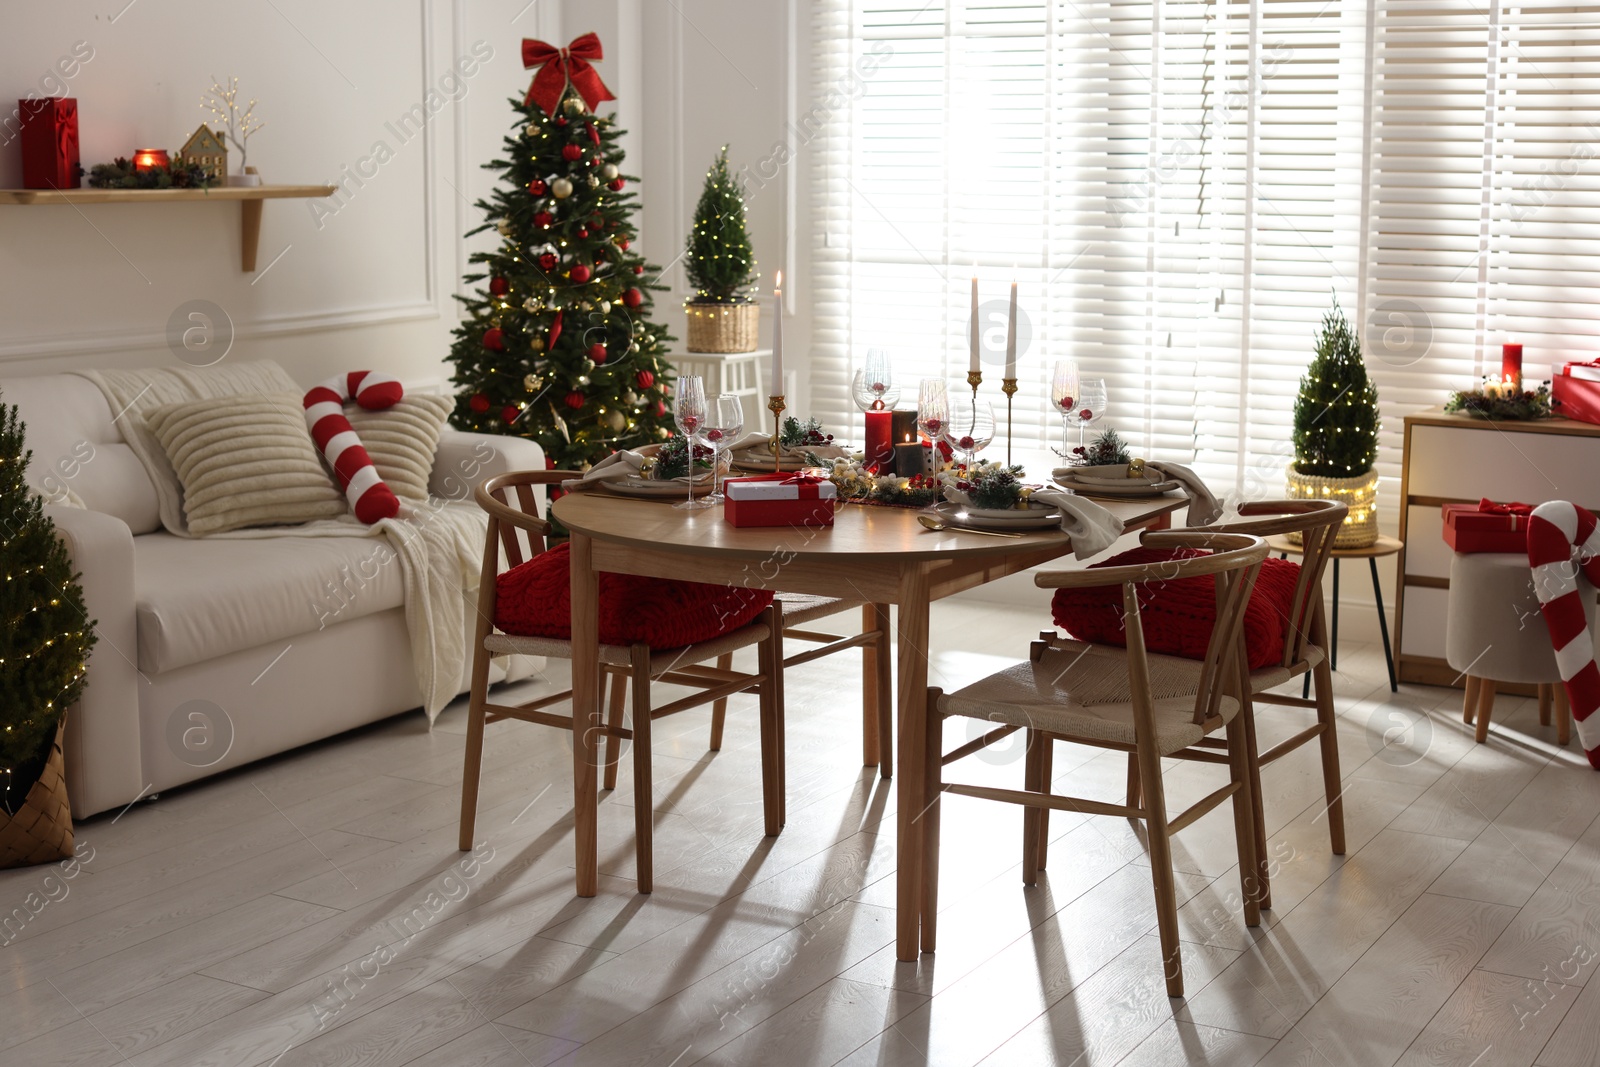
(369, 497)
(1563, 542)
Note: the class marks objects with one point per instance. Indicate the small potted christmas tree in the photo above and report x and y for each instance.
(723, 317)
(1336, 432)
(45, 639)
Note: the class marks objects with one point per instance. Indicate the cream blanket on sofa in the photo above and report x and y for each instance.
(438, 548)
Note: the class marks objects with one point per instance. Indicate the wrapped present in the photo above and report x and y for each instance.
(1576, 391)
(49, 143)
(1487, 527)
(779, 500)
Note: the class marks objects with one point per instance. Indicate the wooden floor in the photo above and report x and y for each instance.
(314, 909)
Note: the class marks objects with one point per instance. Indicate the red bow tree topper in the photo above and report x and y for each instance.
(560, 66)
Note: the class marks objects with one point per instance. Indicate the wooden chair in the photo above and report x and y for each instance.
(1122, 699)
(1305, 645)
(638, 664)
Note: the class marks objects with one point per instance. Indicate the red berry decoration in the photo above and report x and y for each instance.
(616, 185)
(633, 298)
(509, 413)
(547, 262)
(537, 187)
(622, 243)
(498, 286)
(638, 268)
(966, 444)
(598, 353)
(579, 274)
(713, 435)
(645, 379)
(574, 400)
(494, 340)
(543, 218)
(583, 231)
(1086, 415)
(478, 402)
(572, 153)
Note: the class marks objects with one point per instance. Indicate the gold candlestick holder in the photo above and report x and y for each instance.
(974, 379)
(776, 405)
(1008, 386)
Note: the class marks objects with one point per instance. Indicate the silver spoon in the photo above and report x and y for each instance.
(934, 523)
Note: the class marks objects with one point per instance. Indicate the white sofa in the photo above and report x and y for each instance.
(280, 641)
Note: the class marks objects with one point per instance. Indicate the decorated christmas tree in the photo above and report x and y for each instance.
(719, 258)
(1336, 413)
(45, 636)
(557, 344)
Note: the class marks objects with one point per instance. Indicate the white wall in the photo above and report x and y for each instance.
(364, 280)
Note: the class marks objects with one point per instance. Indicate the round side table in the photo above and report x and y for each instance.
(1384, 546)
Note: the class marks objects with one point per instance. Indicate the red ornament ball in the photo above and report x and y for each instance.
(560, 120)
(547, 262)
(598, 353)
(537, 187)
(633, 298)
(583, 231)
(645, 379)
(638, 268)
(498, 286)
(509, 413)
(494, 340)
(543, 218)
(574, 400)
(478, 402)
(595, 161)
(579, 274)
(616, 185)
(622, 243)
(572, 153)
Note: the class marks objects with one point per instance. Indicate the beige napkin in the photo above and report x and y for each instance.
(759, 442)
(619, 466)
(1092, 528)
(1203, 506)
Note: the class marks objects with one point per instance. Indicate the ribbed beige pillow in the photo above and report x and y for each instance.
(402, 440)
(245, 460)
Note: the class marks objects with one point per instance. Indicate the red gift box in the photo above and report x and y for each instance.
(1487, 527)
(779, 500)
(1576, 391)
(49, 143)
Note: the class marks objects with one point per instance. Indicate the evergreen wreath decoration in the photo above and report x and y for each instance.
(1522, 406)
(45, 633)
(719, 257)
(1336, 413)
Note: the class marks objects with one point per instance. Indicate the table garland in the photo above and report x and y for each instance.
(1502, 404)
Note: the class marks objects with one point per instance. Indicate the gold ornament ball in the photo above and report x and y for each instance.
(561, 188)
(504, 226)
(616, 420)
(630, 398)
(537, 344)
(609, 172)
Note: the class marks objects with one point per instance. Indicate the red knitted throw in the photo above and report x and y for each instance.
(535, 600)
(1178, 615)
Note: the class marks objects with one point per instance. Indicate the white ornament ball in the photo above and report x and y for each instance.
(609, 172)
(630, 398)
(616, 420)
(605, 307)
(561, 188)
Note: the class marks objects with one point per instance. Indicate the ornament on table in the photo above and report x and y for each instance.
(559, 67)
(478, 402)
(597, 353)
(498, 286)
(1336, 433)
(222, 100)
(561, 188)
(574, 400)
(49, 137)
(538, 187)
(494, 339)
(206, 149)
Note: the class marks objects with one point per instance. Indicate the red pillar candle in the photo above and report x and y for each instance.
(1511, 366)
(880, 440)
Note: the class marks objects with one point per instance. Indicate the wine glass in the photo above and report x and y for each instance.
(689, 412)
(724, 424)
(874, 388)
(970, 427)
(933, 408)
(1064, 398)
(1091, 405)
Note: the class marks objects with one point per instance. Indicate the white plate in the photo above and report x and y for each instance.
(984, 519)
(649, 487)
(762, 461)
(1111, 487)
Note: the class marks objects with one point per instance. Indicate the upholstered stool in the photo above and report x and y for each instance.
(1495, 632)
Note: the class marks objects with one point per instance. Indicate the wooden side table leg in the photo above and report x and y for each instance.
(1469, 705)
(1563, 712)
(1485, 706)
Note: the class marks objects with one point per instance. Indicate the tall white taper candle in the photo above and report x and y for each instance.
(974, 367)
(775, 379)
(1011, 334)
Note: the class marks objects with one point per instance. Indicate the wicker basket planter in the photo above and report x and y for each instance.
(723, 327)
(41, 830)
(1360, 493)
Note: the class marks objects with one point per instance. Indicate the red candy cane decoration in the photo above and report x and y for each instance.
(1563, 542)
(369, 497)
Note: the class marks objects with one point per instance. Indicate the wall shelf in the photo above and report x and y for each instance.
(249, 198)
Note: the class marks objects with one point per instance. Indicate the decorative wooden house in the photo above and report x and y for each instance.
(206, 148)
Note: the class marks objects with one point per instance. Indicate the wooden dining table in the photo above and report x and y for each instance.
(873, 554)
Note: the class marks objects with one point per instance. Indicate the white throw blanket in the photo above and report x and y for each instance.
(439, 546)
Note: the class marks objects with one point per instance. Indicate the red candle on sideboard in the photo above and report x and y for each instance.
(880, 440)
(1511, 365)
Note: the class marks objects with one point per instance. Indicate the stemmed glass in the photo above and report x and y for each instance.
(970, 427)
(874, 388)
(933, 411)
(1091, 405)
(723, 426)
(1064, 398)
(689, 412)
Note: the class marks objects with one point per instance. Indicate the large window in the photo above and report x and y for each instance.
(1182, 187)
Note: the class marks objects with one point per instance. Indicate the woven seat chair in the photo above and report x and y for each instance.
(638, 664)
(1121, 699)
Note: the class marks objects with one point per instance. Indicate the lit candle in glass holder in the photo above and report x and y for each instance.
(150, 159)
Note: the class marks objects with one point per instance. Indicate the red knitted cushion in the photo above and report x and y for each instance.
(1178, 615)
(534, 599)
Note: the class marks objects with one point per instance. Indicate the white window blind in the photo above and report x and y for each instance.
(1181, 187)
